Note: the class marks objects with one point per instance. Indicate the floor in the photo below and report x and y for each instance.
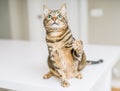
(114, 89)
(1, 89)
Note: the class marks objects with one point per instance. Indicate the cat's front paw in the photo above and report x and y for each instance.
(78, 46)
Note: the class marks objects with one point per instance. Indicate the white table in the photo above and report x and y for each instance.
(23, 64)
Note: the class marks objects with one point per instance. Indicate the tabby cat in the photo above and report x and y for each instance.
(66, 56)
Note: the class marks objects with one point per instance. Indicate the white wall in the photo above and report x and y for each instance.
(25, 23)
(36, 32)
(83, 20)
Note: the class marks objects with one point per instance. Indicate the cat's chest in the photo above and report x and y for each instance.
(56, 33)
(65, 57)
(56, 46)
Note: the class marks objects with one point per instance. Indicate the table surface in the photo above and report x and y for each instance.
(23, 64)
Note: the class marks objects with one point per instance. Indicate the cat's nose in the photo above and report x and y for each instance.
(54, 18)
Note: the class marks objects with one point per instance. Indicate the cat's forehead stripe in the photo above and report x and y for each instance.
(54, 11)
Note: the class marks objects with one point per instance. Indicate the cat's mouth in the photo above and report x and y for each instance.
(54, 23)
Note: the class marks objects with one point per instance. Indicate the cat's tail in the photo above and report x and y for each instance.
(94, 62)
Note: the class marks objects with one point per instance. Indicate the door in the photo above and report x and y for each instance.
(104, 22)
(5, 32)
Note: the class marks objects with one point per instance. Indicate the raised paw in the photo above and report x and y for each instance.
(78, 46)
(48, 75)
(65, 84)
(79, 76)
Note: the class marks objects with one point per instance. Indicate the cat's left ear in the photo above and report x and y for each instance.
(63, 9)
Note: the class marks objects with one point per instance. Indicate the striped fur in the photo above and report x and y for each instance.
(66, 56)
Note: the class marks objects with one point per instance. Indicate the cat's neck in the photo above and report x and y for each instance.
(56, 32)
(62, 34)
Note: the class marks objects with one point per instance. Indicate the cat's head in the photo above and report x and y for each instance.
(55, 19)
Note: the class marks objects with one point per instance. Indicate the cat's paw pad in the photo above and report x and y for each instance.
(79, 76)
(65, 84)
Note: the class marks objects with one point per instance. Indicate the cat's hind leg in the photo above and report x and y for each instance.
(65, 83)
(48, 75)
(62, 77)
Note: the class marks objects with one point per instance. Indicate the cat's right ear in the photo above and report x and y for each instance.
(46, 10)
(63, 9)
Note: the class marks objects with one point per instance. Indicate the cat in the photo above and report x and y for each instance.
(66, 55)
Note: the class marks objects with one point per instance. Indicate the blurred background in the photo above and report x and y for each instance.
(93, 21)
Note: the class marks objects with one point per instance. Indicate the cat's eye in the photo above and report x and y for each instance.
(59, 16)
(49, 16)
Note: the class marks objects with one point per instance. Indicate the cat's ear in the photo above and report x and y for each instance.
(63, 9)
(46, 10)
